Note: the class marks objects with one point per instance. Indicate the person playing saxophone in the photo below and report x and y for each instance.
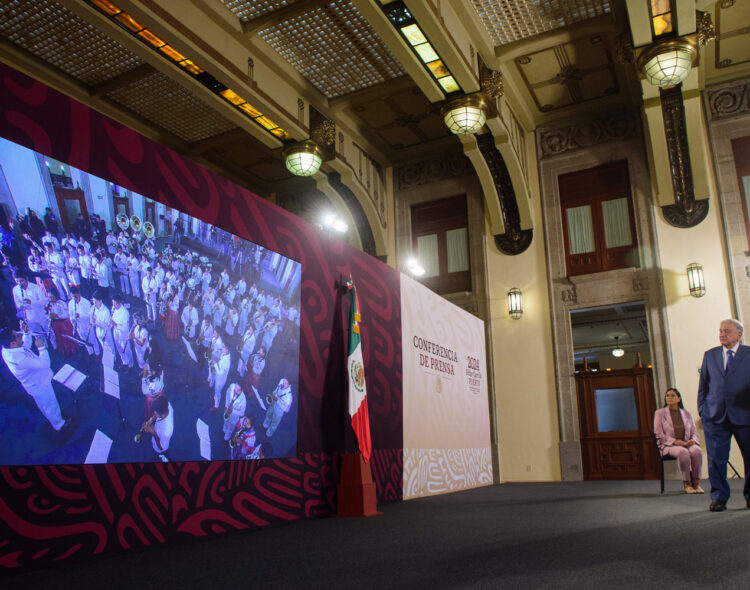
(279, 403)
(234, 410)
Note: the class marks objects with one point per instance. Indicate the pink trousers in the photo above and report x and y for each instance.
(689, 460)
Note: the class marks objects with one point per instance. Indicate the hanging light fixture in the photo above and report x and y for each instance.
(696, 281)
(667, 64)
(617, 351)
(515, 303)
(304, 159)
(465, 115)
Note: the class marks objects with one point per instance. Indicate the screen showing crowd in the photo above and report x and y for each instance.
(133, 332)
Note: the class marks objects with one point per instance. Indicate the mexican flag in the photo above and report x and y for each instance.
(356, 375)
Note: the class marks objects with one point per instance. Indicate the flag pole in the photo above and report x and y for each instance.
(357, 494)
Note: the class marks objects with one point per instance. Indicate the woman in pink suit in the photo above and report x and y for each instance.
(677, 437)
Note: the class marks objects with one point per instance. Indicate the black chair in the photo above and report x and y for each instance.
(661, 459)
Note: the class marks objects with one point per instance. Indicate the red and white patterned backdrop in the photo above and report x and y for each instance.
(53, 513)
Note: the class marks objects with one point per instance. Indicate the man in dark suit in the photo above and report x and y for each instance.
(724, 407)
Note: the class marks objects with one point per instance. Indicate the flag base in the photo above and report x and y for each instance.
(356, 490)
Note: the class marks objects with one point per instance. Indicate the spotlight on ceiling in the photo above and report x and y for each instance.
(304, 158)
(465, 115)
(617, 351)
(334, 224)
(413, 266)
(667, 64)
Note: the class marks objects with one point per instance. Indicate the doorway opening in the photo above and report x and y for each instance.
(615, 390)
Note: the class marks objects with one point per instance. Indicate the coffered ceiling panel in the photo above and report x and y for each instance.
(512, 20)
(402, 119)
(160, 99)
(329, 43)
(569, 74)
(54, 34)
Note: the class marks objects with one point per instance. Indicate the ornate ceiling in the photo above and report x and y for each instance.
(513, 20)
(557, 56)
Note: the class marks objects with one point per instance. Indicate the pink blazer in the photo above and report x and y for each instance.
(664, 429)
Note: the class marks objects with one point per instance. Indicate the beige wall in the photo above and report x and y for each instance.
(523, 359)
(694, 322)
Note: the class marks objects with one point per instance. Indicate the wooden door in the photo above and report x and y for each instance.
(120, 204)
(150, 213)
(70, 202)
(616, 413)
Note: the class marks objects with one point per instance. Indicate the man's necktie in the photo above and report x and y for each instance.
(730, 357)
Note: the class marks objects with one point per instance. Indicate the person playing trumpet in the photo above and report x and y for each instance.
(189, 318)
(219, 312)
(246, 349)
(234, 410)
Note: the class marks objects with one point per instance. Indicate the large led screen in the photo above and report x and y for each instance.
(132, 332)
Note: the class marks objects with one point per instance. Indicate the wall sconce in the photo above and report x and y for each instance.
(304, 158)
(465, 115)
(667, 64)
(696, 282)
(515, 303)
(618, 351)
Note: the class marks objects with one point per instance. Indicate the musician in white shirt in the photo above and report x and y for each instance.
(34, 373)
(79, 310)
(134, 267)
(219, 373)
(189, 319)
(162, 429)
(234, 408)
(56, 266)
(121, 331)
(121, 267)
(101, 319)
(72, 266)
(140, 339)
(281, 403)
(48, 238)
(246, 349)
(150, 286)
(30, 302)
(101, 273)
(87, 271)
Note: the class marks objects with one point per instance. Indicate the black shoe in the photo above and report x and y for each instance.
(717, 506)
(747, 503)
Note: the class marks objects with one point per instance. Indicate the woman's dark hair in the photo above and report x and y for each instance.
(678, 395)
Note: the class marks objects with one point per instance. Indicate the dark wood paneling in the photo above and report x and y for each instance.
(623, 454)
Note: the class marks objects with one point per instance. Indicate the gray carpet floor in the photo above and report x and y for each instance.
(545, 535)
